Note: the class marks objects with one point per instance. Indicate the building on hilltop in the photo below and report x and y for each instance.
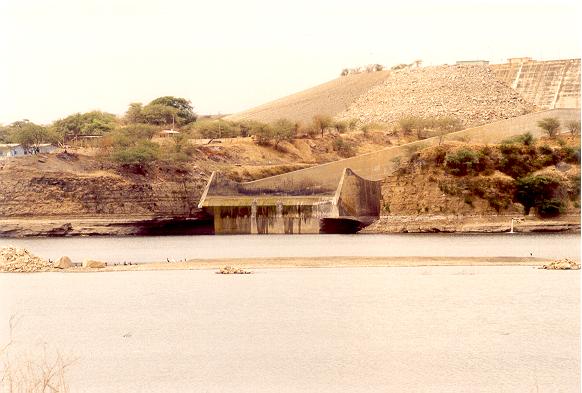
(473, 62)
(518, 60)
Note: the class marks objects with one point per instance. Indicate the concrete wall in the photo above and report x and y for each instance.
(379, 164)
(283, 217)
(546, 84)
(358, 197)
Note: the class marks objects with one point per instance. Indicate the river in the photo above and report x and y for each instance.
(424, 329)
(158, 249)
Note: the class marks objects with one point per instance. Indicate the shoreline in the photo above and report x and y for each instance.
(316, 262)
(35, 227)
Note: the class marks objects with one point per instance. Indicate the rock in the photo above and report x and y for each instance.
(439, 92)
(562, 264)
(20, 260)
(64, 262)
(232, 270)
(93, 264)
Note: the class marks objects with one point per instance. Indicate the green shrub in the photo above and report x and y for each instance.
(518, 161)
(545, 193)
(143, 152)
(497, 191)
(214, 129)
(575, 187)
(545, 149)
(571, 155)
(462, 162)
(574, 127)
(409, 124)
(340, 126)
(140, 131)
(526, 139)
(343, 148)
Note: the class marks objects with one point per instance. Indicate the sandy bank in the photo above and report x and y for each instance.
(322, 262)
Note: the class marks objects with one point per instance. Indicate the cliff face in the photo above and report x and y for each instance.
(79, 187)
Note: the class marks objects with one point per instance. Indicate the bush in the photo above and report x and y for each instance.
(213, 129)
(462, 162)
(571, 155)
(526, 139)
(518, 161)
(340, 126)
(263, 135)
(142, 153)
(343, 148)
(498, 191)
(574, 127)
(141, 131)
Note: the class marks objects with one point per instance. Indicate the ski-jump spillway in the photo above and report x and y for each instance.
(238, 209)
(340, 196)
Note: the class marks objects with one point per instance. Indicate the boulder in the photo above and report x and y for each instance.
(64, 262)
(93, 264)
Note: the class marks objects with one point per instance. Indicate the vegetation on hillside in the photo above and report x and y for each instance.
(542, 174)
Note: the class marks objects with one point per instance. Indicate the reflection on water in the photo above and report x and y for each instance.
(429, 329)
(155, 249)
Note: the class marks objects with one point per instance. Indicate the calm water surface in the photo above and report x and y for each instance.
(426, 329)
(155, 249)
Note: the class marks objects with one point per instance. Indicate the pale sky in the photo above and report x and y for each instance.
(58, 57)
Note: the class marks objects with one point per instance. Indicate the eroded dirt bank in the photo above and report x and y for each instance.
(472, 224)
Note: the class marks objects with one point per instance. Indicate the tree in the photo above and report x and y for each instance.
(340, 126)
(141, 131)
(4, 134)
(213, 129)
(283, 130)
(184, 110)
(89, 123)
(134, 113)
(30, 136)
(574, 127)
(263, 134)
(321, 122)
(159, 114)
(550, 125)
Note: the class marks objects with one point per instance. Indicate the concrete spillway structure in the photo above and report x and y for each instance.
(237, 209)
(546, 84)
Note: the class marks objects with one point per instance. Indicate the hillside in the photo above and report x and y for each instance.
(459, 184)
(329, 98)
(85, 184)
(472, 94)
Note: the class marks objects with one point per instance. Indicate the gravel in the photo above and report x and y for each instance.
(470, 93)
(13, 259)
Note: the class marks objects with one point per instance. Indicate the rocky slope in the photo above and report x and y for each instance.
(470, 93)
